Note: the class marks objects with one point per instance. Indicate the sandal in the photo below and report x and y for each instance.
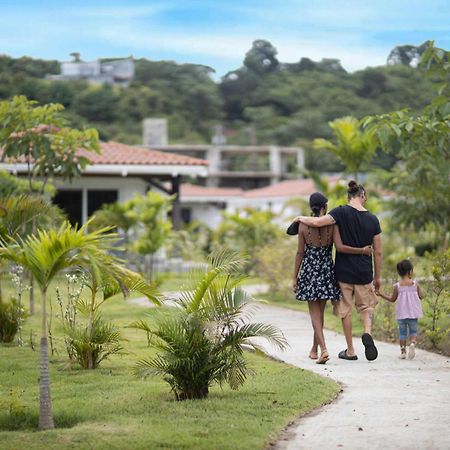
(324, 357)
(313, 355)
(370, 349)
(343, 355)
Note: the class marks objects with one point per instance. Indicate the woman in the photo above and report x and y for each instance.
(316, 283)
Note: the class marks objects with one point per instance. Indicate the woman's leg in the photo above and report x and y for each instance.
(316, 311)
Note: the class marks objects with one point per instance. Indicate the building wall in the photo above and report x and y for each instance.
(127, 187)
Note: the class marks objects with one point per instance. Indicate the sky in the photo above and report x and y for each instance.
(218, 33)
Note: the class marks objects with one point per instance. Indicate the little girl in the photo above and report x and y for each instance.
(408, 295)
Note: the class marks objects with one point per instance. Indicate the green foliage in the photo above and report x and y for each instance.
(90, 345)
(247, 230)
(38, 136)
(11, 316)
(275, 263)
(421, 143)
(203, 342)
(438, 298)
(353, 147)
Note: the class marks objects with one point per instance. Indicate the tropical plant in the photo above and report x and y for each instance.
(46, 254)
(438, 298)
(354, 147)
(420, 141)
(245, 231)
(11, 315)
(202, 342)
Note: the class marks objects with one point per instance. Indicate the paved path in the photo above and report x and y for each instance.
(385, 404)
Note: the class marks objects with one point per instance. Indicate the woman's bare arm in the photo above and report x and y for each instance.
(341, 248)
(298, 257)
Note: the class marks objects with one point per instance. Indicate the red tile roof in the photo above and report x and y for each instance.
(114, 153)
(122, 154)
(192, 190)
(288, 188)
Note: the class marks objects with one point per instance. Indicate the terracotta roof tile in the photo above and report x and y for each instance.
(288, 188)
(116, 153)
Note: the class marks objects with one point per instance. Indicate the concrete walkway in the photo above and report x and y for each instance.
(385, 404)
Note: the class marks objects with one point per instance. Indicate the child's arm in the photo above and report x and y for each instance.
(341, 248)
(419, 291)
(392, 298)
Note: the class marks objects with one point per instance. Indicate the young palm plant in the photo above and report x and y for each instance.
(46, 254)
(203, 341)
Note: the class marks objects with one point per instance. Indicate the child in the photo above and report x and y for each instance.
(408, 294)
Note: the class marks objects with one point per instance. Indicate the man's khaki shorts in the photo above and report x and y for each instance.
(365, 299)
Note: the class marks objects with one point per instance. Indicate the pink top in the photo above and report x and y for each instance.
(408, 302)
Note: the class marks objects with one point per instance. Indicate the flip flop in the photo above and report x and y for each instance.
(370, 349)
(343, 355)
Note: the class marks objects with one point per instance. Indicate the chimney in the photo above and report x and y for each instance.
(155, 132)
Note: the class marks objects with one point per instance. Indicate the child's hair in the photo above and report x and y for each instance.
(354, 189)
(404, 267)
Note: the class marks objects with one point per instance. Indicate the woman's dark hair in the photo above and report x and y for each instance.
(404, 267)
(354, 189)
(317, 201)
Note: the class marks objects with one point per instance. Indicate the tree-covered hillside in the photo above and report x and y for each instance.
(263, 102)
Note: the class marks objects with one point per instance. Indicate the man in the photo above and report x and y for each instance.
(358, 228)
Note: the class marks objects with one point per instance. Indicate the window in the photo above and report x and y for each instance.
(70, 202)
(97, 198)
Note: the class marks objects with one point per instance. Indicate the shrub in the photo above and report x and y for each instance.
(11, 317)
(203, 341)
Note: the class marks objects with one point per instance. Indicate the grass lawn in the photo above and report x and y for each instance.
(109, 408)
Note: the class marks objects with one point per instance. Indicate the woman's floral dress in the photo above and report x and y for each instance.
(317, 280)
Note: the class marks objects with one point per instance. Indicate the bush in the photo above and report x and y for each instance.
(11, 317)
(203, 341)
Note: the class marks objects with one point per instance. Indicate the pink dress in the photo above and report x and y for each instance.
(408, 304)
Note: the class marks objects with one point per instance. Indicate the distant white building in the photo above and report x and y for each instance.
(207, 204)
(116, 71)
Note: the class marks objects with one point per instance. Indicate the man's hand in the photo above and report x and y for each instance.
(377, 284)
(367, 250)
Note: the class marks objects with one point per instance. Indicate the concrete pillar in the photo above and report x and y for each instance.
(154, 132)
(275, 164)
(214, 157)
(300, 159)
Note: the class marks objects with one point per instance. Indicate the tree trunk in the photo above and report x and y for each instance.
(31, 294)
(45, 401)
(90, 325)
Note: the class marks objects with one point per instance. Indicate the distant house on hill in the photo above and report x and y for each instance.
(113, 71)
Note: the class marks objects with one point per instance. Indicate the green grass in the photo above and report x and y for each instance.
(109, 408)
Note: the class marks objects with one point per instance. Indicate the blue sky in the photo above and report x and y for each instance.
(219, 33)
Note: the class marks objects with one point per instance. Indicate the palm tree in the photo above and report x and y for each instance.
(203, 341)
(46, 254)
(353, 146)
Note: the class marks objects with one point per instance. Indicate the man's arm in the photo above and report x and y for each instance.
(321, 221)
(378, 257)
(341, 248)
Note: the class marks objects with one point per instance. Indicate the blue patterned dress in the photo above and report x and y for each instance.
(317, 280)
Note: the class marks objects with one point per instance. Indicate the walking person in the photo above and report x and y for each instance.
(314, 280)
(408, 309)
(355, 272)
